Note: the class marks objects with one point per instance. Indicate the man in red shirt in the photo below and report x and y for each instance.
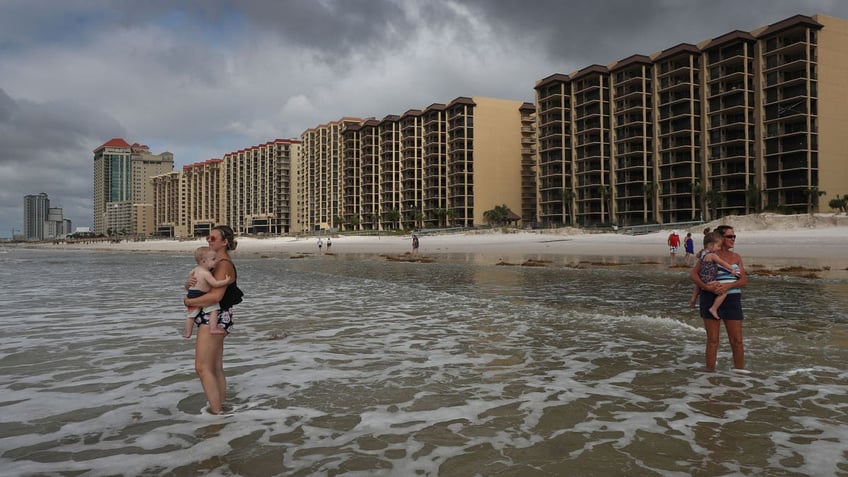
(673, 243)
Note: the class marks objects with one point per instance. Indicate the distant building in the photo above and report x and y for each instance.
(42, 222)
(168, 214)
(251, 190)
(36, 209)
(122, 183)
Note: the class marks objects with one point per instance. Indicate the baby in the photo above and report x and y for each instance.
(206, 261)
(710, 261)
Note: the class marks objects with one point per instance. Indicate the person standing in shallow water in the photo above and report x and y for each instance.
(731, 310)
(209, 349)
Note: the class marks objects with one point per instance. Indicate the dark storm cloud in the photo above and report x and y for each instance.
(584, 32)
(47, 147)
(332, 27)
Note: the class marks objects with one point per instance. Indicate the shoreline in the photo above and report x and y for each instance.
(771, 241)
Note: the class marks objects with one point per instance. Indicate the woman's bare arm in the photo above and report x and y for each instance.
(222, 271)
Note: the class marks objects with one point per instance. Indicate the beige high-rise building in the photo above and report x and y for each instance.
(201, 201)
(529, 169)
(258, 188)
(122, 174)
(319, 176)
(441, 166)
(251, 190)
(740, 123)
(167, 207)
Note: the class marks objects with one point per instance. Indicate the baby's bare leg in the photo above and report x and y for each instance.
(716, 304)
(189, 326)
(214, 327)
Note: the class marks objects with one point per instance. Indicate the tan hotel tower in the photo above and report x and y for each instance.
(251, 190)
(441, 166)
(123, 192)
(744, 122)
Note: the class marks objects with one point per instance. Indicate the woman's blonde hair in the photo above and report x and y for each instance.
(228, 235)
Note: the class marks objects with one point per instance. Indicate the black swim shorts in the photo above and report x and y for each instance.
(731, 309)
(225, 319)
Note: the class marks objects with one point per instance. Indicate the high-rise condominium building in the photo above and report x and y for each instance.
(251, 190)
(442, 166)
(201, 186)
(122, 184)
(743, 122)
(36, 210)
(168, 215)
(258, 188)
(320, 177)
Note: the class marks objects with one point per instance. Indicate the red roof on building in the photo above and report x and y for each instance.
(114, 142)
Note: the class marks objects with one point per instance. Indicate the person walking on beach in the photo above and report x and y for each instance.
(320, 244)
(204, 281)
(731, 310)
(673, 243)
(209, 349)
(415, 244)
(329, 244)
(689, 246)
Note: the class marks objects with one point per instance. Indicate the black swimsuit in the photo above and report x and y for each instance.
(232, 296)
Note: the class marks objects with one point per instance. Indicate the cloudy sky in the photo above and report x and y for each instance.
(201, 78)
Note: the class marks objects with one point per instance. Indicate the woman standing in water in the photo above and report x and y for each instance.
(731, 310)
(209, 350)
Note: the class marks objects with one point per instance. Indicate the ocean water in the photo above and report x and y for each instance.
(353, 365)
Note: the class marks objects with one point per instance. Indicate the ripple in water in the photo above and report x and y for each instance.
(414, 369)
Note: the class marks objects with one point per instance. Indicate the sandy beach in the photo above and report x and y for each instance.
(765, 240)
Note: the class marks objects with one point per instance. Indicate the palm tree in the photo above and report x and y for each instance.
(813, 194)
(714, 199)
(392, 216)
(568, 196)
(440, 214)
(752, 197)
(700, 192)
(450, 215)
(839, 203)
(419, 218)
(650, 189)
(497, 216)
(606, 201)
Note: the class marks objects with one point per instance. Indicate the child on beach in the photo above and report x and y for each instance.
(206, 261)
(710, 262)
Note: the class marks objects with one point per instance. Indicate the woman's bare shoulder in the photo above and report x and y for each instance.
(733, 257)
(225, 265)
